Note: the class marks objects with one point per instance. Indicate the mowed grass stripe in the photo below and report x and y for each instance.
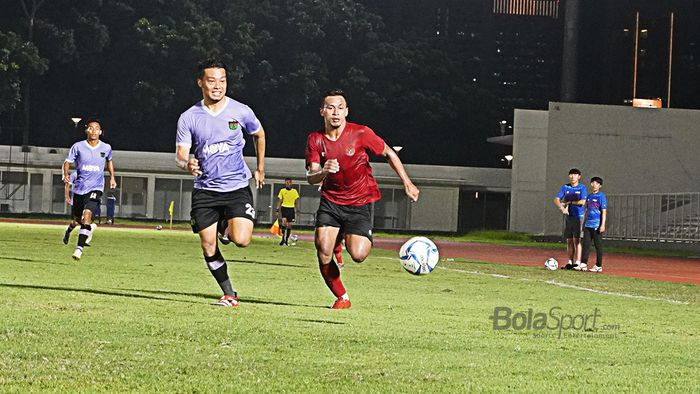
(135, 316)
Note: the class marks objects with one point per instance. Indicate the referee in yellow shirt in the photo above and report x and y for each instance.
(287, 202)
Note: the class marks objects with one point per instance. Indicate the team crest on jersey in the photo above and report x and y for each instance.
(350, 151)
(102, 154)
(233, 124)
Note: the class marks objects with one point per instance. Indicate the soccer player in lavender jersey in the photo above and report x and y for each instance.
(337, 156)
(90, 156)
(214, 129)
(594, 225)
(570, 201)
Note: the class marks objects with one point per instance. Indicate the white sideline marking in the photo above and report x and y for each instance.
(568, 286)
(639, 297)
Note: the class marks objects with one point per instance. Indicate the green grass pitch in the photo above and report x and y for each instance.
(135, 315)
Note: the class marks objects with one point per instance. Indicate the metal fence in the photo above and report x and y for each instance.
(657, 216)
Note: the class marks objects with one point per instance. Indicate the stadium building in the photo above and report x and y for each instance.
(647, 158)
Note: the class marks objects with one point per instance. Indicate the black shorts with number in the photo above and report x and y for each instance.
(85, 201)
(288, 213)
(209, 207)
(350, 219)
(572, 227)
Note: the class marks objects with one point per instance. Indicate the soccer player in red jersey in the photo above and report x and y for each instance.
(337, 156)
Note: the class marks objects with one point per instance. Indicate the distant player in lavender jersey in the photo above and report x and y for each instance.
(214, 129)
(337, 155)
(90, 156)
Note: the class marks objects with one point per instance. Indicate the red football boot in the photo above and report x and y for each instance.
(341, 303)
(228, 301)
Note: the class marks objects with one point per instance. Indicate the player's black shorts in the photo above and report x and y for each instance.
(350, 219)
(85, 201)
(288, 213)
(572, 227)
(208, 207)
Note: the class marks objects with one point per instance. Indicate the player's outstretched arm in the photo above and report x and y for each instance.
(259, 142)
(411, 190)
(112, 179)
(66, 193)
(66, 175)
(603, 219)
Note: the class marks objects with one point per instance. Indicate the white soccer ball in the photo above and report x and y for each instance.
(159, 227)
(551, 264)
(419, 255)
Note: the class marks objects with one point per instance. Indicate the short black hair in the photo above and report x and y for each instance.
(211, 62)
(575, 171)
(597, 179)
(333, 92)
(93, 120)
(287, 179)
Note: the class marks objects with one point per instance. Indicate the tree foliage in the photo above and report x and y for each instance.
(132, 63)
(18, 59)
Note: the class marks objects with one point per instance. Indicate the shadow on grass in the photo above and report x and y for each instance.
(243, 300)
(266, 302)
(267, 263)
(29, 260)
(321, 321)
(92, 291)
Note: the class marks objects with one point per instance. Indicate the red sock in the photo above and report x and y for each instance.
(331, 274)
(336, 253)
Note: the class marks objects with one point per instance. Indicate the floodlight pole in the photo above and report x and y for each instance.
(670, 62)
(636, 56)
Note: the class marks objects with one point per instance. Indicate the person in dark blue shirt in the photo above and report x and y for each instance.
(594, 225)
(570, 201)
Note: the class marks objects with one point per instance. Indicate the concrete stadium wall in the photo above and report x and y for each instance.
(435, 209)
(634, 150)
(438, 208)
(528, 180)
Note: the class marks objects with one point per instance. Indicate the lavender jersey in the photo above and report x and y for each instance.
(217, 139)
(89, 165)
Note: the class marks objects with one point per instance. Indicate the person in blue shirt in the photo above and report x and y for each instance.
(594, 225)
(570, 201)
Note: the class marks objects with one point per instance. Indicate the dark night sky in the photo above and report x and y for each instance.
(438, 96)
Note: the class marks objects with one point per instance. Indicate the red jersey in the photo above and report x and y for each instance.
(353, 184)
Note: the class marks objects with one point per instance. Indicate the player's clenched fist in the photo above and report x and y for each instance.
(331, 166)
(193, 167)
